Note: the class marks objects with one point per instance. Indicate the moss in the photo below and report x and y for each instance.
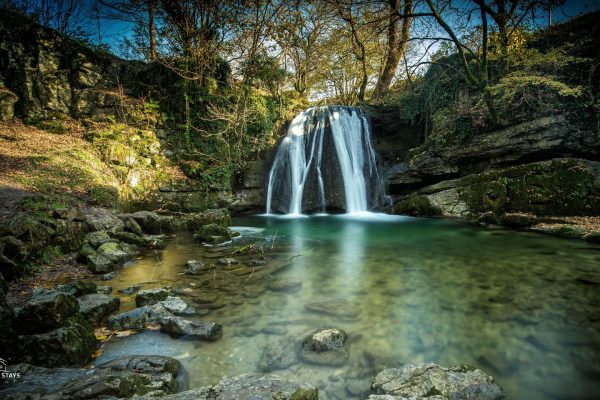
(305, 394)
(418, 206)
(482, 196)
(569, 231)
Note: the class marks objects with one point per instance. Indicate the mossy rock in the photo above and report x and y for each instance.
(569, 231)
(213, 234)
(518, 220)
(482, 196)
(417, 206)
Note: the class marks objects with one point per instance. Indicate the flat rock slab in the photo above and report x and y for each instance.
(337, 307)
(123, 377)
(46, 310)
(192, 329)
(421, 380)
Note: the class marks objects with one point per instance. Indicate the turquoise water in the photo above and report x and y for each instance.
(523, 307)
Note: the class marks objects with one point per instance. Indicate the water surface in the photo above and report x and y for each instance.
(523, 307)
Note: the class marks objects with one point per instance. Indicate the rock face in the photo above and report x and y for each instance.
(327, 346)
(562, 186)
(426, 380)
(123, 377)
(254, 387)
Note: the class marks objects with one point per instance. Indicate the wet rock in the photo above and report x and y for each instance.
(109, 276)
(138, 318)
(69, 345)
(177, 306)
(195, 267)
(286, 285)
(96, 307)
(47, 310)
(123, 377)
(257, 263)
(227, 261)
(328, 346)
(96, 239)
(128, 291)
(422, 380)
(104, 289)
(212, 234)
(336, 307)
(154, 241)
(569, 231)
(98, 263)
(130, 238)
(151, 296)
(518, 220)
(78, 288)
(278, 354)
(193, 329)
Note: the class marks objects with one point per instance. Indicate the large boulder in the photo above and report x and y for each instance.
(328, 346)
(422, 380)
(191, 329)
(123, 377)
(118, 252)
(213, 234)
(149, 297)
(47, 310)
(69, 345)
(96, 307)
(219, 216)
(148, 221)
(101, 219)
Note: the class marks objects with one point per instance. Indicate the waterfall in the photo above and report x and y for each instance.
(323, 144)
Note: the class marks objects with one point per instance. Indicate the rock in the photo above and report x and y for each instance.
(151, 296)
(286, 285)
(69, 345)
(336, 307)
(218, 216)
(212, 234)
(518, 220)
(96, 307)
(195, 267)
(109, 276)
(154, 241)
(257, 263)
(227, 261)
(131, 238)
(569, 231)
(138, 318)
(423, 380)
(177, 306)
(488, 218)
(149, 222)
(130, 290)
(47, 310)
(78, 288)
(8, 335)
(7, 104)
(98, 263)
(328, 346)
(96, 239)
(101, 219)
(192, 329)
(592, 237)
(104, 289)
(123, 377)
(417, 206)
(133, 227)
(278, 354)
(118, 252)
(250, 387)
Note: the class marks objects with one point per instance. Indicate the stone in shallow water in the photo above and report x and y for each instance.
(138, 318)
(278, 354)
(328, 346)
(227, 261)
(193, 329)
(426, 379)
(336, 307)
(195, 267)
(286, 285)
(104, 289)
(96, 307)
(78, 288)
(177, 306)
(148, 297)
(130, 290)
(109, 276)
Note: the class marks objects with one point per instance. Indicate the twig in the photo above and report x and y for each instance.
(273, 242)
(297, 255)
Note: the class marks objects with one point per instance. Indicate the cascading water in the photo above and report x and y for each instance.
(323, 144)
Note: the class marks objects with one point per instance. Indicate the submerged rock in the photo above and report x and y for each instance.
(427, 379)
(96, 307)
(327, 346)
(192, 329)
(47, 310)
(69, 345)
(286, 285)
(120, 378)
(337, 307)
(151, 296)
(278, 354)
(195, 267)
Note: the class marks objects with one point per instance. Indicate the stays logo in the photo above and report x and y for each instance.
(5, 373)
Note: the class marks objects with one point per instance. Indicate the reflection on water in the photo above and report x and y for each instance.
(523, 307)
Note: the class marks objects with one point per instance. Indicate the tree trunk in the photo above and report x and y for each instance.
(396, 45)
(151, 30)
